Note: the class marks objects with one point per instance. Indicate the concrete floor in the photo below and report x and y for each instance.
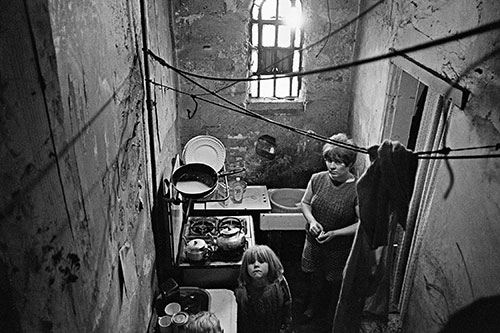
(288, 245)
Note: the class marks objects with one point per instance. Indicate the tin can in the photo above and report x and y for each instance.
(179, 320)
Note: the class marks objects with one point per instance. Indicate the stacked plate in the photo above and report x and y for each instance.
(205, 149)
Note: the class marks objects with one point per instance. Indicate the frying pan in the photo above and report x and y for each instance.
(197, 180)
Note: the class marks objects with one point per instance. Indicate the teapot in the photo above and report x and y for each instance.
(197, 249)
(230, 238)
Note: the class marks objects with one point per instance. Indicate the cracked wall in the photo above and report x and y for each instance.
(77, 250)
(458, 236)
(211, 40)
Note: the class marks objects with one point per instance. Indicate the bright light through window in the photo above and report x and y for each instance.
(276, 41)
(293, 17)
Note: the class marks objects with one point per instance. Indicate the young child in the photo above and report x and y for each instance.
(263, 296)
(203, 322)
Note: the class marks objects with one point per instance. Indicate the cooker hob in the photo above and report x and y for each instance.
(209, 228)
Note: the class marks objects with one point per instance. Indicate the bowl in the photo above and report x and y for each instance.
(172, 308)
(286, 200)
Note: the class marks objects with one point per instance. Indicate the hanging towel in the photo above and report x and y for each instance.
(384, 193)
(385, 189)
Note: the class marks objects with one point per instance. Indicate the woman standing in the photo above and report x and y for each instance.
(330, 208)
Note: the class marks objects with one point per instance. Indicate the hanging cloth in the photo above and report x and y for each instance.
(385, 190)
(384, 193)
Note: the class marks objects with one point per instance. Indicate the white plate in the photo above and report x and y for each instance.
(205, 149)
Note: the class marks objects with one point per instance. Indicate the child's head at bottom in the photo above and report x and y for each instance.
(203, 322)
(261, 254)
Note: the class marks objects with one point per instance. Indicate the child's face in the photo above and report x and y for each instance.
(258, 270)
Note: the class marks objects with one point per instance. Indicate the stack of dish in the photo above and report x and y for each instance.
(205, 149)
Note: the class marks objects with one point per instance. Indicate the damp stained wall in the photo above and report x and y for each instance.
(211, 39)
(77, 251)
(455, 246)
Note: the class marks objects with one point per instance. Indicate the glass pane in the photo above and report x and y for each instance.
(282, 87)
(283, 36)
(296, 64)
(253, 88)
(298, 5)
(256, 8)
(268, 35)
(266, 87)
(284, 9)
(269, 10)
(295, 86)
(297, 37)
(255, 35)
(255, 61)
(293, 16)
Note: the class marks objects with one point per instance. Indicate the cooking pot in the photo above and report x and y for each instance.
(230, 238)
(197, 249)
(197, 180)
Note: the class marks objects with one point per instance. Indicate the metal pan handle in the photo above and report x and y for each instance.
(231, 172)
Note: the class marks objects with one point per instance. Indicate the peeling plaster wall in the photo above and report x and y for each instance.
(456, 261)
(77, 251)
(163, 117)
(211, 40)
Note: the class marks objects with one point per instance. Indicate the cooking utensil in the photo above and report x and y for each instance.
(205, 149)
(231, 238)
(198, 180)
(266, 146)
(196, 249)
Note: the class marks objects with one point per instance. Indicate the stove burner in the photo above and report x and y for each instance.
(210, 229)
(231, 222)
(231, 255)
(202, 226)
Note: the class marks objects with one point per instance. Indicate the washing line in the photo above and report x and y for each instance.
(306, 133)
(343, 26)
(445, 151)
(249, 113)
(393, 53)
(468, 33)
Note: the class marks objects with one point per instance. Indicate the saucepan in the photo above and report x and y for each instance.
(198, 180)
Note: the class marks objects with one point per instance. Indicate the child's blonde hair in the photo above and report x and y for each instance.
(260, 253)
(203, 322)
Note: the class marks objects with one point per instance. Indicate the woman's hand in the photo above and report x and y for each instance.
(325, 237)
(315, 228)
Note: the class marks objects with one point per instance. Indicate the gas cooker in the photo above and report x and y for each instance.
(208, 228)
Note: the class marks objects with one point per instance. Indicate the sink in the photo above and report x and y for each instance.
(191, 299)
(286, 200)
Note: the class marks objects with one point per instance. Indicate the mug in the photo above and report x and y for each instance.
(165, 324)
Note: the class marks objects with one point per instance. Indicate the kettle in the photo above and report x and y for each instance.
(197, 249)
(231, 238)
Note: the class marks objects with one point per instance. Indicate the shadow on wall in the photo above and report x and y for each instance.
(480, 316)
(9, 319)
(288, 169)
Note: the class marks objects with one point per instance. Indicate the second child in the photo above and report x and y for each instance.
(263, 295)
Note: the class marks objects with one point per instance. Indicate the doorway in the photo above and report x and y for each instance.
(417, 106)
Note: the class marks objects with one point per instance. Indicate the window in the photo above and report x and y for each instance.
(275, 43)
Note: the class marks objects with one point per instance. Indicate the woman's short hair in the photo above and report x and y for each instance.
(203, 322)
(340, 154)
(260, 253)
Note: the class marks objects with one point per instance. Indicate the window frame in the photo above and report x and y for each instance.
(272, 51)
